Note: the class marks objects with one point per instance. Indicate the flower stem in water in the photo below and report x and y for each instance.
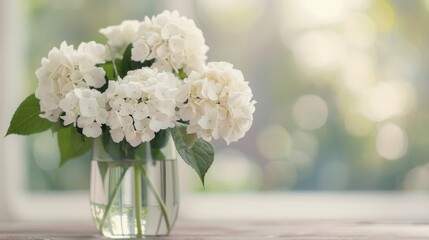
(138, 198)
(111, 198)
(158, 199)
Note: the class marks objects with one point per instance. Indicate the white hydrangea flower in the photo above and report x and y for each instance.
(219, 103)
(175, 42)
(67, 68)
(119, 36)
(142, 103)
(86, 109)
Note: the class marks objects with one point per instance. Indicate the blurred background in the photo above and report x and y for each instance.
(342, 90)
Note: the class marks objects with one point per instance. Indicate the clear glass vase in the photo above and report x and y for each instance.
(134, 191)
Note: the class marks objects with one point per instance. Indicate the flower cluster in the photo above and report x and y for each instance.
(174, 42)
(175, 84)
(65, 69)
(86, 109)
(219, 103)
(143, 103)
(119, 36)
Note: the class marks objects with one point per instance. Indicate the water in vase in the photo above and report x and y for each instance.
(134, 198)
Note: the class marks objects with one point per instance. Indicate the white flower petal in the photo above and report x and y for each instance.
(140, 51)
(93, 130)
(176, 44)
(119, 36)
(162, 51)
(126, 109)
(69, 118)
(69, 102)
(209, 120)
(117, 134)
(88, 107)
(95, 77)
(187, 113)
(102, 116)
(114, 120)
(134, 138)
(133, 90)
(76, 76)
(116, 103)
(97, 52)
(159, 121)
(49, 103)
(84, 121)
(141, 111)
(162, 65)
(147, 135)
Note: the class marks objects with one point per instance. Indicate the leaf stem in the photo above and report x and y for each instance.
(111, 198)
(158, 199)
(138, 198)
(113, 61)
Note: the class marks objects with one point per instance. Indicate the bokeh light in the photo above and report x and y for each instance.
(385, 100)
(320, 50)
(237, 172)
(360, 30)
(305, 148)
(357, 73)
(383, 15)
(237, 15)
(312, 13)
(274, 142)
(392, 141)
(310, 112)
(418, 179)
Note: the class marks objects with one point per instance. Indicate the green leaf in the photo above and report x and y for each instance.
(26, 120)
(129, 152)
(128, 64)
(111, 75)
(72, 144)
(160, 139)
(188, 139)
(157, 154)
(103, 167)
(110, 147)
(110, 69)
(56, 126)
(142, 152)
(198, 154)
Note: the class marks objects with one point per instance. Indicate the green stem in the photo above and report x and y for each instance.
(138, 198)
(111, 198)
(113, 61)
(158, 199)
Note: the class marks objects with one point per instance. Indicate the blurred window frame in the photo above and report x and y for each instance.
(16, 202)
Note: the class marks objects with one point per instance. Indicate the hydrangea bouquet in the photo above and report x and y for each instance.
(149, 81)
(149, 77)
